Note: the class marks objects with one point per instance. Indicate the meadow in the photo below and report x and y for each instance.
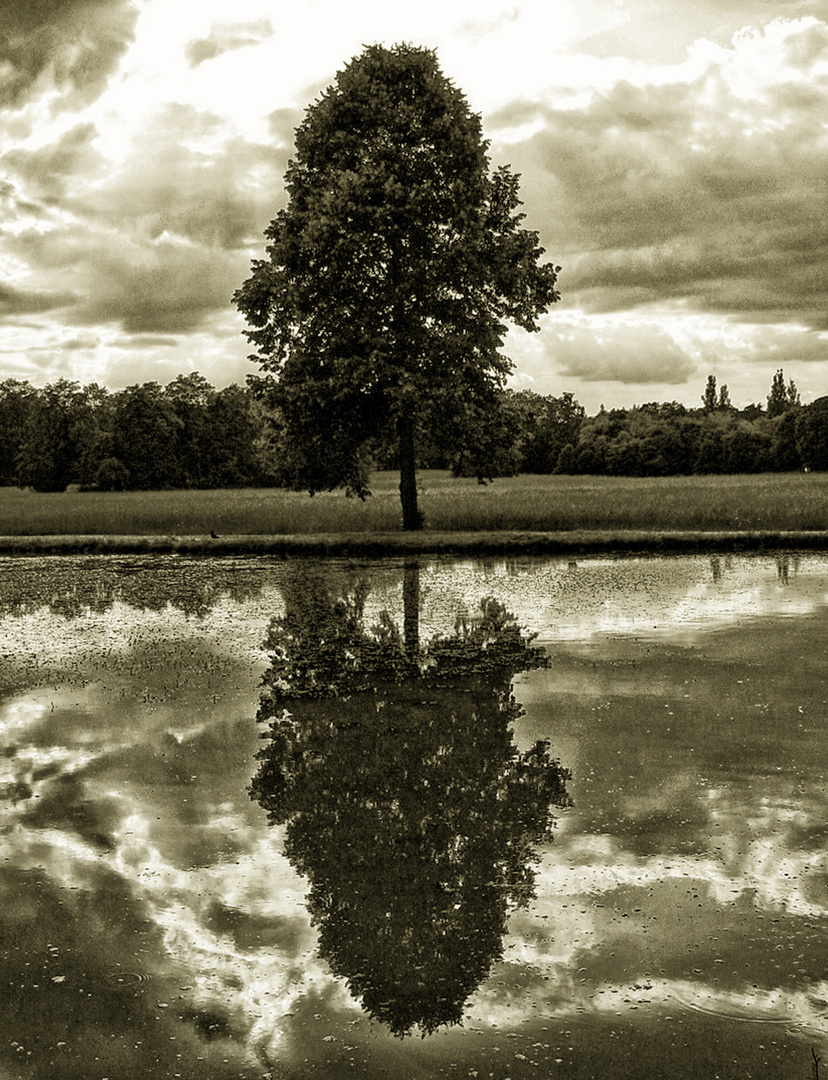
(772, 501)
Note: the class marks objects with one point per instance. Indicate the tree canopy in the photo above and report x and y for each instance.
(392, 274)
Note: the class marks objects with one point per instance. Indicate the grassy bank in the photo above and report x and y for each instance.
(776, 502)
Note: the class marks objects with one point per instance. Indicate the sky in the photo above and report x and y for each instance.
(673, 158)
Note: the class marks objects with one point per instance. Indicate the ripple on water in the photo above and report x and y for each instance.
(760, 1007)
(125, 978)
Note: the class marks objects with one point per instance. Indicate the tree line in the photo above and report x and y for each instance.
(668, 438)
(187, 434)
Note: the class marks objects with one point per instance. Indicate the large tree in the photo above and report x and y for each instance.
(391, 275)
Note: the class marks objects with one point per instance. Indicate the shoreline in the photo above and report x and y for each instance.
(576, 542)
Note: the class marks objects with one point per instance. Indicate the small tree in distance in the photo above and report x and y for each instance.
(782, 397)
(709, 398)
(391, 275)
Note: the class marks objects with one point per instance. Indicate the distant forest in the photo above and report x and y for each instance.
(187, 434)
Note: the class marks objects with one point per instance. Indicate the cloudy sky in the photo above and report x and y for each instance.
(674, 158)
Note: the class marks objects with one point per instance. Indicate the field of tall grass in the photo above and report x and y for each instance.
(775, 501)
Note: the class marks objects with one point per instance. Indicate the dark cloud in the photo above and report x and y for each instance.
(15, 301)
(73, 45)
(77, 344)
(48, 171)
(167, 287)
(146, 341)
(691, 191)
(224, 38)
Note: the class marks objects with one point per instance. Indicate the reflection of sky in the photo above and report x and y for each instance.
(143, 892)
(575, 599)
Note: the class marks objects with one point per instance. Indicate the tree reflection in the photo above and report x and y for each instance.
(406, 802)
(72, 588)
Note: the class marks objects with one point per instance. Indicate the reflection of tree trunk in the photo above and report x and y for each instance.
(411, 609)
(412, 519)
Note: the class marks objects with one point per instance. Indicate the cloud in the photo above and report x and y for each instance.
(46, 171)
(146, 341)
(710, 189)
(630, 352)
(70, 45)
(156, 244)
(164, 285)
(641, 31)
(226, 37)
(190, 178)
(80, 343)
(168, 286)
(15, 301)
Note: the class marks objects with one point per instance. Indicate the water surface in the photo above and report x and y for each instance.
(422, 870)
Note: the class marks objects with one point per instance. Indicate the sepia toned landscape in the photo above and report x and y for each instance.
(413, 540)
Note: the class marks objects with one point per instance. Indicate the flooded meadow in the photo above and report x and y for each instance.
(404, 818)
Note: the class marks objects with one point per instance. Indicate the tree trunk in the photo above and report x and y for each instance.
(412, 518)
(411, 610)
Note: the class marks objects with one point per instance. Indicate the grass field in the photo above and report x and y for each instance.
(774, 501)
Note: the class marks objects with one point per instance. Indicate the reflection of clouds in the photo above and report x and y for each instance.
(804, 1010)
(148, 713)
(606, 924)
(757, 849)
(257, 986)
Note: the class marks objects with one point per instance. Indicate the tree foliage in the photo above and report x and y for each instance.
(16, 398)
(782, 397)
(392, 274)
(50, 438)
(186, 434)
(812, 435)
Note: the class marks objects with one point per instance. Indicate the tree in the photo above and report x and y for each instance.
(391, 275)
(234, 433)
(784, 453)
(709, 399)
(782, 397)
(48, 450)
(92, 433)
(145, 436)
(16, 403)
(778, 397)
(724, 403)
(812, 435)
(544, 425)
(191, 397)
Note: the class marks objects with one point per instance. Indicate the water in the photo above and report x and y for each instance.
(670, 922)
